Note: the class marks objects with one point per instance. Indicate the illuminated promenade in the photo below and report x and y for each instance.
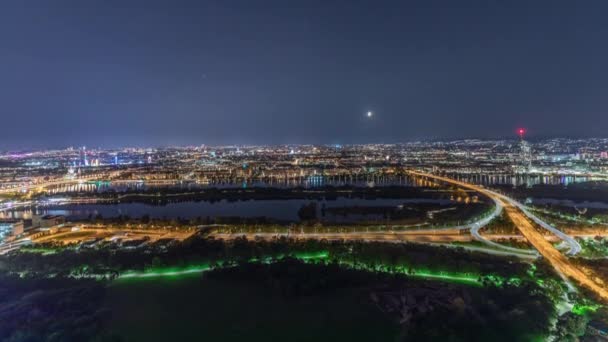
(561, 264)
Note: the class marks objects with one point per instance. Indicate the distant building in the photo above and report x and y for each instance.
(47, 221)
(10, 228)
(83, 157)
(525, 153)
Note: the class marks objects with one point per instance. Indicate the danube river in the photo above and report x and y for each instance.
(283, 210)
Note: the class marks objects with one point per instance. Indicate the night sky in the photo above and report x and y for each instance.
(115, 73)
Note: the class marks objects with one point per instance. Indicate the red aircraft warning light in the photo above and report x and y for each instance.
(521, 132)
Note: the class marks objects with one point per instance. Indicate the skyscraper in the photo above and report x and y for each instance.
(83, 156)
(525, 154)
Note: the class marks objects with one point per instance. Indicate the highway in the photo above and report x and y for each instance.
(575, 247)
(502, 201)
(476, 226)
(520, 216)
(479, 237)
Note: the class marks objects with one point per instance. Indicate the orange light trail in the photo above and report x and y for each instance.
(555, 258)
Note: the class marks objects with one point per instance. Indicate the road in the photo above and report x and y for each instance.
(422, 236)
(438, 240)
(520, 218)
(479, 237)
(575, 247)
(476, 226)
(502, 201)
(125, 234)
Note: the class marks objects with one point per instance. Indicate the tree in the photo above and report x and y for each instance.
(570, 326)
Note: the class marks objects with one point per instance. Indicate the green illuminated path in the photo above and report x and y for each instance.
(195, 269)
(462, 278)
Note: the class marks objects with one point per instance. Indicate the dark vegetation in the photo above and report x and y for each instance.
(234, 307)
(305, 302)
(515, 243)
(198, 250)
(570, 327)
(594, 248)
(57, 309)
(501, 225)
(38, 308)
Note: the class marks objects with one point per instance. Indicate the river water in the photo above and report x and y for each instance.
(276, 209)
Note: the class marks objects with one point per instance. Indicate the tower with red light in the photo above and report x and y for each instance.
(525, 154)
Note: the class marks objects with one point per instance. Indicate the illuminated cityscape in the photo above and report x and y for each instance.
(497, 162)
(303, 171)
(494, 198)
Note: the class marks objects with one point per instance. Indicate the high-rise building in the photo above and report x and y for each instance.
(83, 157)
(525, 153)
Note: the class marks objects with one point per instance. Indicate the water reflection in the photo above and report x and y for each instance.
(276, 209)
(521, 179)
(313, 181)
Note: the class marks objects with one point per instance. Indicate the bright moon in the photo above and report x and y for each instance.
(369, 114)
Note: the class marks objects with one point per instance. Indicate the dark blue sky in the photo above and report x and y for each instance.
(111, 73)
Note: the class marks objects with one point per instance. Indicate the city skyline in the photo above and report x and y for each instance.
(514, 137)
